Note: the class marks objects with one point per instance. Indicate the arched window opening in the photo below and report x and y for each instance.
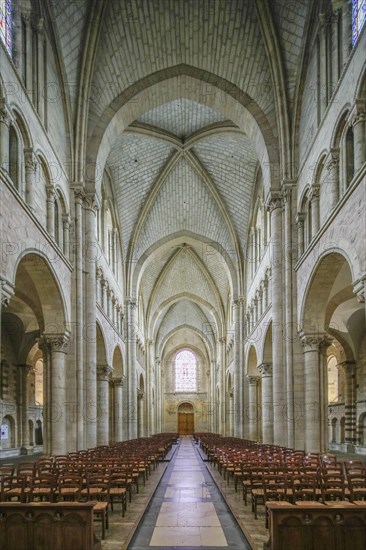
(333, 382)
(350, 167)
(6, 24)
(38, 382)
(358, 18)
(185, 372)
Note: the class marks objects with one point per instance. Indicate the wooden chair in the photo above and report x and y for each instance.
(118, 487)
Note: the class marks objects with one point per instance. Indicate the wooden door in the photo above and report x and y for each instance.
(185, 423)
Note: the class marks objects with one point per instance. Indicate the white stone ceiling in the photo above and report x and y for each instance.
(182, 117)
(166, 186)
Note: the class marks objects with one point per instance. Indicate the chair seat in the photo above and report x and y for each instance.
(100, 506)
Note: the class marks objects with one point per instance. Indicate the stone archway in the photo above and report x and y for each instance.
(185, 419)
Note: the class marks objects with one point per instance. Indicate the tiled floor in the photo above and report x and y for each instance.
(187, 510)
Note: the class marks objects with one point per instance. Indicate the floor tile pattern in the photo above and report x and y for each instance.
(187, 511)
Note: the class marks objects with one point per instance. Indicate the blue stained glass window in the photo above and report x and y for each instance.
(358, 18)
(185, 371)
(6, 24)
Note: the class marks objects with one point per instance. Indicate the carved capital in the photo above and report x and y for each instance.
(54, 343)
(140, 395)
(252, 380)
(6, 292)
(131, 302)
(358, 113)
(300, 218)
(359, 288)
(90, 202)
(274, 201)
(104, 372)
(31, 161)
(4, 114)
(51, 194)
(265, 370)
(118, 382)
(311, 342)
(313, 193)
(332, 161)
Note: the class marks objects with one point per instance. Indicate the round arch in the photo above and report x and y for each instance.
(165, 86)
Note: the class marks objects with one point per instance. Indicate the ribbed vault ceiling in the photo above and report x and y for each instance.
(183, 174)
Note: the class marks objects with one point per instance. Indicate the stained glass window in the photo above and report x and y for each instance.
(185, 371)
(358, 18)
(6, 23)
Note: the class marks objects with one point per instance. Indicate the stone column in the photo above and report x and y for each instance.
(314, 199)
(140, 406)
(79, 315)
(131, 355)
(150, 361)
(265, 370)
(300, 218)
(253, 409)
(25, 371)
(4, 136)
(56, 348)
(332, 165)
(323, 66)
(222, 382)
(159, 395)
(90, 258)
(66, 235)
(335, 52)
(288, 410)
(40, 69)
(51, 196)
(26, 12)
(279, 382)
(350, 396)
(104, 297)
(359, 128)
(103, 375)
(118, 385)
(30, 177)
(238, 383)
(312, 378)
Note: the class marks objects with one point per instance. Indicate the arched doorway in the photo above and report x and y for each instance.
(185, 419)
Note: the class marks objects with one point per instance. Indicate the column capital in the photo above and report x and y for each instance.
(7, 290)
(30, 158)
(252, 380)
(311, 341)
(287, 187)
(348, 367)
(79, 193)
(313, 193)
(332, 159)
(300, 218)
(118, 381)
(51, 193)
(131, 302)
(358, 113)
(273, 200)
(104, 372)
(54, 342)
(5, 117)
(140, 395)
(90, 202)
(359, 288)
(265, 370)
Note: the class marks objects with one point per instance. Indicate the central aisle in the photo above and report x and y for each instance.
(187, 510)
